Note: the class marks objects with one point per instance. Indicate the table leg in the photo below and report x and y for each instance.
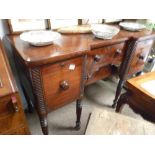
(78, 113)
(118, 92)
(122, 100)
(44, 124)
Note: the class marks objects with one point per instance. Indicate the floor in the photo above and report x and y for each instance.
(62, 121)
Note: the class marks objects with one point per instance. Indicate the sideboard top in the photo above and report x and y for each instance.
(67, 46)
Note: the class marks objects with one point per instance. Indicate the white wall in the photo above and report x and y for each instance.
(3, 28)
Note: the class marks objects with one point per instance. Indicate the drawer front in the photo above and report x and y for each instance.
(62, 82)
(8, 105)
(102, 57)
(140, 55)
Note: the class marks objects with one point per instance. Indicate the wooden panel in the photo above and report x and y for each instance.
(11, 112)
(140, 55)
(100, 58)
(18, 131)
(68, 46)
(6, 85)
(54, 75)
(9, 120)
(100, 74)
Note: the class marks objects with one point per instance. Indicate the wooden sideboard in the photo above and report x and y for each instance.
(58, 73)
(12, 118)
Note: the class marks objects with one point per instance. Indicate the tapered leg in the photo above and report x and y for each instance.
(44, 124)
(118, 92)
(122, 100)
(78, 114)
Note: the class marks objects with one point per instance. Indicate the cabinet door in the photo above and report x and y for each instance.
(140, 55)
(62, 82)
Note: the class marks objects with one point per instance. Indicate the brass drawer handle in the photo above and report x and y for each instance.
(97, 58)
(64, 85)
(14, 103)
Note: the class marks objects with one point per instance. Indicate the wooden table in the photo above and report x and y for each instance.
(58, 73)
(104, 122)
(12, 118)
(140, 99)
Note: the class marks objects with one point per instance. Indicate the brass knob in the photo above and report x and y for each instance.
(97, 58)
(64, 85)
(141, 57)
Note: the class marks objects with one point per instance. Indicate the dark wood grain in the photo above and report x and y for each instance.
(67, 46)
(12, 118)
(55, 85)
(139, 99)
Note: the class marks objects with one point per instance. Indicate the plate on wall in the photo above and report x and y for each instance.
(132, 26)
(40, 38)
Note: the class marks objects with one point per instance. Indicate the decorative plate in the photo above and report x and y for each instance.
(75, 29)
(104, 31)
(131, 26)
(40, 38)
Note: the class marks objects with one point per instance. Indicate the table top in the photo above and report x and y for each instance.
(67, 46)
(136, 85)
(103, 122)
(7, 83)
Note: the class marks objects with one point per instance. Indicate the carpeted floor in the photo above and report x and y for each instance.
(62, 120)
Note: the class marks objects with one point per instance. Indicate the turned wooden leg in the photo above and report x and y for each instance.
(121, 102)
(44, 124)
(118, 92)
(78, 114)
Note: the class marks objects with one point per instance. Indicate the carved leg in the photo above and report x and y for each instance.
(122, 100)
(44, 124)
(78, 114)
(118, 92)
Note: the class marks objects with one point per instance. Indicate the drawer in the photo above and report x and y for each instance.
(140, 56)
(62, 82)
(107, 55)
(102, 57)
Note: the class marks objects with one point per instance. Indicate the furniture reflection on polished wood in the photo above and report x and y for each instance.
(12, 118)
(138, 98)
(59, 72)
(136, 54)
(104, 122)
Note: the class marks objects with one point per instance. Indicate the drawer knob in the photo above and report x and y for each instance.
(97, 58)
(64, 85)
(141, 57)
(118, 51)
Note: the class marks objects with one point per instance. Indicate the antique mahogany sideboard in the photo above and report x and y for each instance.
(59, 72)
(12, 118)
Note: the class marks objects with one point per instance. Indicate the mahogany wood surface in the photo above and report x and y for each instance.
(47, 68)
(138, 98)
(68, 46)
(12, 118)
